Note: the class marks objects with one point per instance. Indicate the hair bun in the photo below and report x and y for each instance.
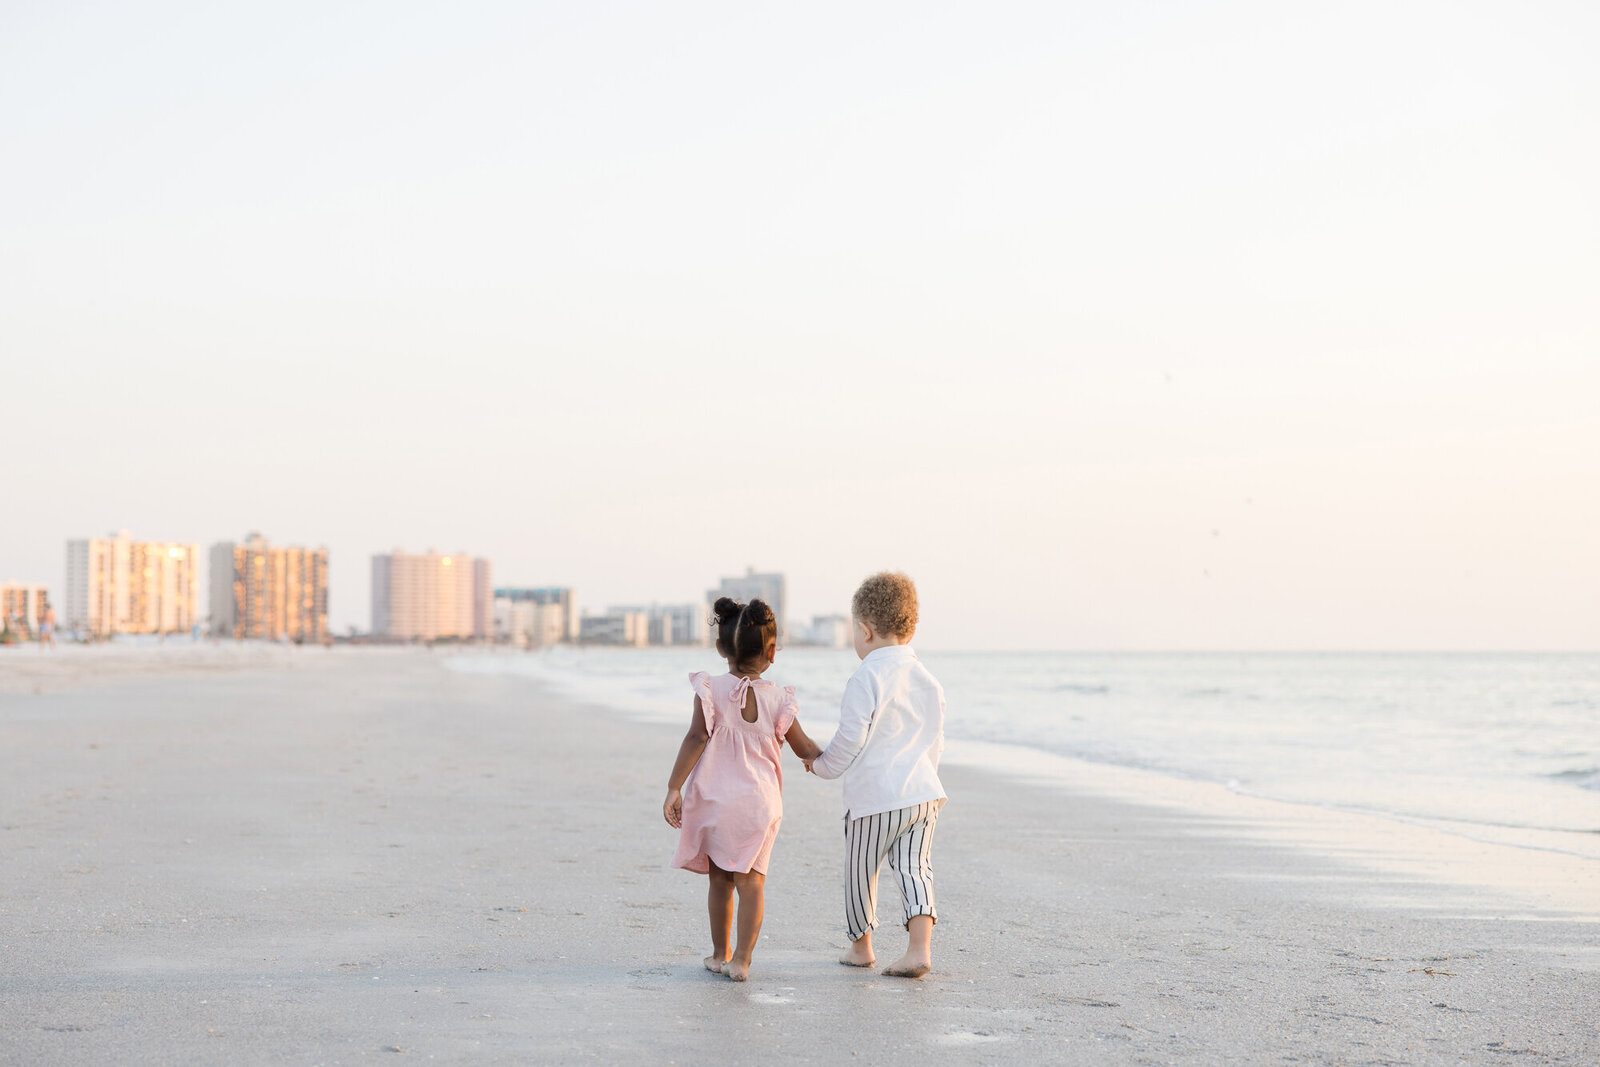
(743, 630)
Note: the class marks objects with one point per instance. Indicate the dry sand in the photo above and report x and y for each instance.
(321, 857)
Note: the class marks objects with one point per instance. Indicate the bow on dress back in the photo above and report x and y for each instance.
(741, 687)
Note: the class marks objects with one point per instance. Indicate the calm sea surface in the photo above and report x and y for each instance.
(1504, 741)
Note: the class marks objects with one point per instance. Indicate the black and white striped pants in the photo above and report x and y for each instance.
(905, 838)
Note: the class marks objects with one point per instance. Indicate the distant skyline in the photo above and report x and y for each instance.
(1244, 326)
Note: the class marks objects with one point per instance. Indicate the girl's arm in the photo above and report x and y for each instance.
(694, 743)
(803, 746)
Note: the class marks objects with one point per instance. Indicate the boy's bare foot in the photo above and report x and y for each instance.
(715, 965)
(858, 957)
(909, 966)
(736, 970)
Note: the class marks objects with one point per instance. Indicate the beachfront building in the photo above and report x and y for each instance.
(560, 599)
(615, 628)
(429, 596)
(527, 623)
(753, 586)
(671, 624)
(116, 585)
(22, 608)
(826, 631)
(681, 624)
(266, 592)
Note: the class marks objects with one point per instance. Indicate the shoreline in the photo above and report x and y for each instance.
(1560, 881)
(362, 856)
(1442, 851)
(1553, 883)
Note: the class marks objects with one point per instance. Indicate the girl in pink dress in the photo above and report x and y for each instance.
(725, 795)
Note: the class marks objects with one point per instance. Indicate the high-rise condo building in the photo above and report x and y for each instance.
(525, 623)
(753, 586)
(116, 585)
(429, 596)
(670, 624)
(564, 599)
(22, 607)
(827, 631)
(615, 628)
(268, 592)
(680, 624)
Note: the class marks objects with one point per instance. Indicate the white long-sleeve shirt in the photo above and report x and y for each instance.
(890, 736)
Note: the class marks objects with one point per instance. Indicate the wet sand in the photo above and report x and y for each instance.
(324, 857)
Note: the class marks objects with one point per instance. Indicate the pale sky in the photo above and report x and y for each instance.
(1146, 325)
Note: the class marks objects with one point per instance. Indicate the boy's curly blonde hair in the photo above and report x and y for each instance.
(887, 602)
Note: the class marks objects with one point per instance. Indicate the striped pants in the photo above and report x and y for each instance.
(904, 837)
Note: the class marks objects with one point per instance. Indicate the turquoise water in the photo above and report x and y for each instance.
(1502, 740)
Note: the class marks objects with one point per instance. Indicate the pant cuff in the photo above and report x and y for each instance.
(926, 909)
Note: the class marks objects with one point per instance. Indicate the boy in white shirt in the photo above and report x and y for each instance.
(887, 748)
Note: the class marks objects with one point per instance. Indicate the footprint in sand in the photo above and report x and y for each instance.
(969, 1037)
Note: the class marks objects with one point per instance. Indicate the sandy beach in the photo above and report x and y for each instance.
(311, 856)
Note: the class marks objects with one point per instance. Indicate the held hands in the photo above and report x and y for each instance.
(801, 745)
(672, 809)
(808, 750)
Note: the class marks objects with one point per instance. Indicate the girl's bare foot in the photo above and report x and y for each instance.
(736, 970)
(715, 965)
(909, 966)
(858, 956)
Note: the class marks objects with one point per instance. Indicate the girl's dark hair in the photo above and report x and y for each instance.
(743, 630)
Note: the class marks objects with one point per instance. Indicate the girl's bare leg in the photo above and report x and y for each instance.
(719, 903)
(752, 904)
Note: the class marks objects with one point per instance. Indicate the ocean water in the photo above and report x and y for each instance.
(1509, 742)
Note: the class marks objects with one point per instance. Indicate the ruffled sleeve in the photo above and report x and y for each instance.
(788, 709)
(701, 682)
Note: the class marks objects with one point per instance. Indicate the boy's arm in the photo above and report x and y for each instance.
(855, 719)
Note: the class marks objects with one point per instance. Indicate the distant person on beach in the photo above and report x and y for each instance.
(887, 749)
(47, 627)
(725, 795)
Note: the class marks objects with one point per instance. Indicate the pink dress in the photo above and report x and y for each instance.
(733, 800)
